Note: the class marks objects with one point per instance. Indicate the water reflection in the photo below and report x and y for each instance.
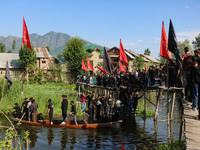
(64, 139)
(50, 136)
(33, 136)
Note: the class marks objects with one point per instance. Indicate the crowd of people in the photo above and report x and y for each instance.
(28, 111)
(184, 73)
(102, 108)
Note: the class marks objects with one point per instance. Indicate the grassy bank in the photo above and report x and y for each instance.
(174, 145)
(41, 94)
(51, 90)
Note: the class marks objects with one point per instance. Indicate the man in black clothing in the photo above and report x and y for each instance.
(89, 98)
(91, 113)
(72, 114)
(64, 106)
(25, 108)
(50, 111)
(103, 107)
(17, 112)
(40, 118)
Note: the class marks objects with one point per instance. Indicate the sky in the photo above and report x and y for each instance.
(137, 22)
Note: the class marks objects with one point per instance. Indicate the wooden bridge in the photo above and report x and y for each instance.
(188, 124)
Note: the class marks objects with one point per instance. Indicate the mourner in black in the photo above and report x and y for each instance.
(25, 108)
(50, 111)
(64, 106)
(40, 118)
(71, 114)
(17, 112)
(91, 113)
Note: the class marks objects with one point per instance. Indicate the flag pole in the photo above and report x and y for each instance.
(168, 98)
(22, 68)
(2, 93)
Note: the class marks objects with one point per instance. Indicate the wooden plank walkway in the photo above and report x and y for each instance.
(192, 128)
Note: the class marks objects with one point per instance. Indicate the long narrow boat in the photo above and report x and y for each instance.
(69, 124)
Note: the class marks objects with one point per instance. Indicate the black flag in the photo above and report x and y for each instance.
(7, 76)
(172, 42)
(107, 62)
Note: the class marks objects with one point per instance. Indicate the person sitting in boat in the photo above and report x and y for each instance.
(71, 114)
(50, 111)
(40, 119)
(17, 112)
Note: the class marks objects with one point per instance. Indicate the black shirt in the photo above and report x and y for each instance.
(64, 105)
(73, 109)
(17, 110)
(50, 106)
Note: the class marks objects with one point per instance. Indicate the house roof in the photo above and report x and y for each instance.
(92, 47)
(12, 58)
(151, 58)
(42, 52)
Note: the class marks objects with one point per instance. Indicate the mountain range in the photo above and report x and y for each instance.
(56, 41)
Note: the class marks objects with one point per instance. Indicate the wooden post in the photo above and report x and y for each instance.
(2, 92)
(156, 130)
(182, 120)
(145, 103)
(160, 91)
(172, 108)
(168, 127)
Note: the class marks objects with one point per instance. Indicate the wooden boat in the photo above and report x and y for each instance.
(69, 124)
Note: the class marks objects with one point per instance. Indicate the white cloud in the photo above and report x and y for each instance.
(189, 35)
(186, 7)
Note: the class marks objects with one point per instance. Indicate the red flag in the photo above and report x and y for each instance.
(25, 38)
(104, 71)
(145, 67)
(83, 66)
(89, 65)
(122, 69)
(122, 54)
(163, 45)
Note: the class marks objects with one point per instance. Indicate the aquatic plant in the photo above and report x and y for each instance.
(173, 145)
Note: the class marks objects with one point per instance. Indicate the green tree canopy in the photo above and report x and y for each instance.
(73, 53)
(147, 52)
(48, 48)
(196, 42)
(140, 62)
(182, 45)
(2, 48)
(26, 56)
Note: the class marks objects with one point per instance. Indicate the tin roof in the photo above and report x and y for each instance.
(12, 58)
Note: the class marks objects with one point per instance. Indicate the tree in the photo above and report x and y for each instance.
(48, 48)
(147, 52)
(182, 45)
(9, 51)
(139, 62)
(13, 45)
(26, 56)
(60, 55)
(196, 43)
(2, 48)
(73, 53)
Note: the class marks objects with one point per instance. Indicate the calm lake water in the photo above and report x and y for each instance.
(132, 133)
